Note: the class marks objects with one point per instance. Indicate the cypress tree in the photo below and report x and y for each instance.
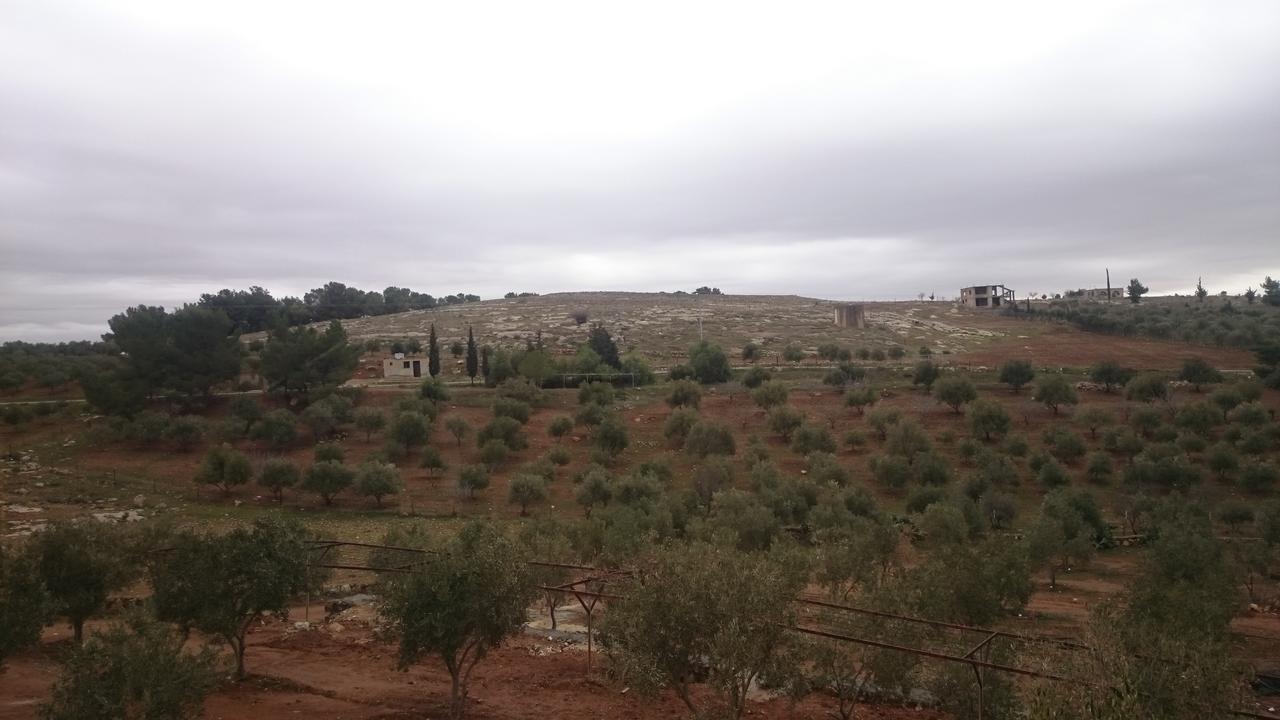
(473, 357)
(433, 353)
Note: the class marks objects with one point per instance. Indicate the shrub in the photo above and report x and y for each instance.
(594, 489)
(560, 427)
(1198, 417)
(1065, 445)
(590, 415)
(708, 363)
(770, 395)
(891, 471)
(134, 669)
(24, 602)
(370, 421)
(1055, 391)
(710, 477)
(709, 438)
(460, 603)
(882, 419)
(278, 474)
(409, 429)
(1051, 474)
(678, 424)
(751, 352)
(860, 398)
(472, 478)
(755, 377)
(684, 393)
(514, 409)
(1110, 375)
(599, 393)
(922, 497)
(824, 469)
(1222, 460)
(785, 420)
(931, 469)
(493, 453)
(855, 440)
(812, 438)
(1098, 468)
(679, 372)
(224, 467)
(907, 439)
(792, 353)
(1258, 477)
(1199, 373)
(611, 436)
(999, 509)
(955, 391)
(185, 431)
(926, 373)
(988, 418)
(378, 480)
(327, 479)
(504, 429)
(329, 451)
(432, 461)
(1016, 373)
(526, 490)
(1147, 388)
(435, 390)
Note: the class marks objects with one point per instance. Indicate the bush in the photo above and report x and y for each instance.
(277, 429)
(1055, 391)
(493, 453)
(432, 461)
(678, 424)
(1051, 474)
(770, 395)
(922, 497)
(708, 363)
(460, 603)
(435, 390)
(370, 421)
(378, 480)
(1016, 373)
(792, 353)
(1199, 373)
(1147, 388)
(135, 669)
(1098, 468)
(224, 467)
(611, 436)
(926, 373)
(1258, 477)
(824, 469)
(882, 419)
(504, 429)
(599, 393)
(560, 427)
(751, 352)
(955, 391)
(185, 431)
(684, 393)
(907, 439)
(409, 429)
(679, 372)
(526, 490)
(1110, 375)
(472, 478)
(891, 471)
(514, 409)
(329, 451)
(785, 420)
(988, 418)
(931, 469)
(327, 479)
(1065, 445)
(860, 398)
(755, 377)
(278, 474)
(810, 438)
(709, 438)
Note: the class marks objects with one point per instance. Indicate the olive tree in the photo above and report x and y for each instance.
(221, 585)
(378, 480)
(988, 418)
(1016, 373)
(955, 391)
(327, 479)
(24, 602)
(705, 608)
(80, 565)
(224, 467)
(1055, 391)
(278, 474)
(135, 669)
(460, 603)
(526, 490)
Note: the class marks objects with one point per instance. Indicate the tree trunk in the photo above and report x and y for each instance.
(551, 610)
(77, 630)
(457, 697)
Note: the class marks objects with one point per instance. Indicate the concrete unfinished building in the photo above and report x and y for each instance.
(985, 297)
(851, 316)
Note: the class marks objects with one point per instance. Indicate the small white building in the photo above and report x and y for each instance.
(403, 366)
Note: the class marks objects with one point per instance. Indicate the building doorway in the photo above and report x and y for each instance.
(417, 368)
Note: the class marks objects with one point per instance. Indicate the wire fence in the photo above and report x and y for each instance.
(980, 648)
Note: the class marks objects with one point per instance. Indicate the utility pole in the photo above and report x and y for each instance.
(1108, 284)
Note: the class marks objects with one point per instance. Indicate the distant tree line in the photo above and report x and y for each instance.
(255, 309)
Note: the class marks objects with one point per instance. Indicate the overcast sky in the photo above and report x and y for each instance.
(151, 151)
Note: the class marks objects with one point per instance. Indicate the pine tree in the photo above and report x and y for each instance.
(473, 357)
(433, 353)
(1201, 293)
